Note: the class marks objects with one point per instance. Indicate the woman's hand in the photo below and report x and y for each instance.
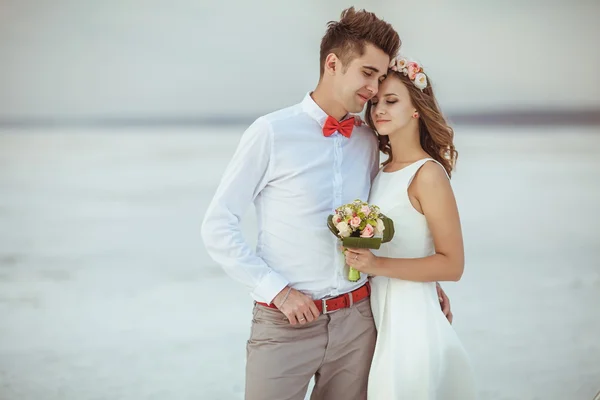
(362, 259)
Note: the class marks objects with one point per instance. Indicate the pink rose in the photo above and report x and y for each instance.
(366, 210)
(413, 70)
(355, 222)
(367, 232)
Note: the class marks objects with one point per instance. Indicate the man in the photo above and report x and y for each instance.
(297, 165)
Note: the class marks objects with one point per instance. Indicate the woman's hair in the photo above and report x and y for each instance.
(347, 37)
(435, 134)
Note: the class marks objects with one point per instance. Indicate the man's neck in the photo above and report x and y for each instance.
(322, 96)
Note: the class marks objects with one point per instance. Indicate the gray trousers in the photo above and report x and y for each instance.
(336, 349)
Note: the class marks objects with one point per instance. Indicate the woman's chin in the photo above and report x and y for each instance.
(382, 130)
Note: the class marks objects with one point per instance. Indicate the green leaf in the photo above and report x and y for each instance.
(388, 233)
(362, 243)
(331, 226)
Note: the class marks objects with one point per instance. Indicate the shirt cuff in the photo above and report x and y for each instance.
(270, 286)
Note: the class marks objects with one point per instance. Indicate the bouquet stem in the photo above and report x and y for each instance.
(353, 274)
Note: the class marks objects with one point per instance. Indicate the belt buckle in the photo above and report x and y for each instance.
(324, 304)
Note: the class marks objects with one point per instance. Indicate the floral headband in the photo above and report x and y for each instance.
(411, 69)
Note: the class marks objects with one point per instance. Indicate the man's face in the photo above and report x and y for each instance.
(357, 82)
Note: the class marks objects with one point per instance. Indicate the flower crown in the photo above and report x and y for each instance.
(411, 69)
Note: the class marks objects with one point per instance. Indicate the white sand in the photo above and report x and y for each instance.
(106, 291)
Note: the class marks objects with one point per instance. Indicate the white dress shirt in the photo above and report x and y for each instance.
(296, 177)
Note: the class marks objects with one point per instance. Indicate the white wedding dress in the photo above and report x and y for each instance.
(418, 356)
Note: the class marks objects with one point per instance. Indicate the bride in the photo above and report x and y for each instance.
(418, 355)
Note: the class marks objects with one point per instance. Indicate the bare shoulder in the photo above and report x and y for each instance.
(432, 175)
(433, 190)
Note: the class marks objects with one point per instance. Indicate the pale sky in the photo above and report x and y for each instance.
(189, 58)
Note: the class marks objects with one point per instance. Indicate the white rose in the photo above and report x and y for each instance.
(380, 227)
(401, 62)
(348, 211)
(420, 81)
(343, 229)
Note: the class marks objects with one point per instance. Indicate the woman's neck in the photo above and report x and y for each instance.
(406, 145)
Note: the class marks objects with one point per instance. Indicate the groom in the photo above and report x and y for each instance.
(297, 165)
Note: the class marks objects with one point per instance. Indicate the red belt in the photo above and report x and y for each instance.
(345, 300)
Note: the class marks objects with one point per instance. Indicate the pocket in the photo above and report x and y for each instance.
(268, 327)
(363, 310)
(271, 316)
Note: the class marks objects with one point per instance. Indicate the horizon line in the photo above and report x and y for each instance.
(589, 117)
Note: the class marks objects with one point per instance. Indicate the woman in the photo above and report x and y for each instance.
(418, 355)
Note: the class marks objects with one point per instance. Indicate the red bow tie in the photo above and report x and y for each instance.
(332, 125)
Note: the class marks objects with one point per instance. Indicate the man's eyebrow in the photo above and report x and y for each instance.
(371, 68)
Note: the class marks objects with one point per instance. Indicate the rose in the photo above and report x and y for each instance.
(367, 232)
(401, 63)
(380, 227)
(413, 70)
(337, 219)
(355, 222)
(343, 229)
(366, 210)
(420, 81)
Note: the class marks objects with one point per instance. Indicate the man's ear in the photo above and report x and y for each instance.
(332, 64)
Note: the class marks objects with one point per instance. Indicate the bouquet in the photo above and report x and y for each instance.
(361, 226)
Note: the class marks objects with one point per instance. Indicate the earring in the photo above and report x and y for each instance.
(415, 114)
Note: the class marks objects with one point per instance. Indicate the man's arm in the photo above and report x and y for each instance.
(245, 176)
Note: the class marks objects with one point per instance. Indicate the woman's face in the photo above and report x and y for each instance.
(392, 109)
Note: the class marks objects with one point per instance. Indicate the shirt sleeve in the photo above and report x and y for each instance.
(245, 176)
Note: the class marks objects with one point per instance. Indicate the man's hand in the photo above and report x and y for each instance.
(297, 307)
(444, 302)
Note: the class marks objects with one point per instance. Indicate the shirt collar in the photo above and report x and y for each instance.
(314, 111)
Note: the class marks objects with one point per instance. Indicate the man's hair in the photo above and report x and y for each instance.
(347, 37)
